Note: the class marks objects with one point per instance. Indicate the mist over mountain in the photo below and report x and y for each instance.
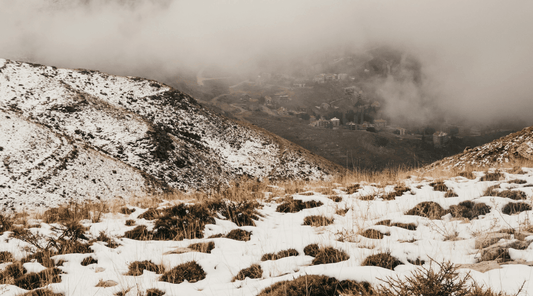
(474, 56)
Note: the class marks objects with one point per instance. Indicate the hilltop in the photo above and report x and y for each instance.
(80, 134)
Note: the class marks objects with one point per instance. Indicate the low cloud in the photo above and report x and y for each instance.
(474, 55)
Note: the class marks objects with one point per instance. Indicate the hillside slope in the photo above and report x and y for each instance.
(77, 133)
(515, 146)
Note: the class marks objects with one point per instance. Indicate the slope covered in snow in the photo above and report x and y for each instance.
(515, 146)
(67, 134)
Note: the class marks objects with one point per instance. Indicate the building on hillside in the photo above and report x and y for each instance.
(268, 100)
(282, 111)
(401, 130)
(335, 122)
(440, 139)
(351, 125)
(299, 83)
(380, 123)
(325, 106)
(284, 98)
(321, 123)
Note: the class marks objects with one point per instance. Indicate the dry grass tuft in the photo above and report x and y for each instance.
(130, 222)
(374, 234)
(317, 285)
(140, 232)
(126, 211)
(329, 255)
(280, 254)
(239, 234)
(384, 260)
(353, 188)
(428, 209)
(6, 256)
(136, 268)
(335, 198)
(467, 174)
(253, 272)
(291, 205)
(517, 181)
(42, 292)
(317, 221)
(496, 176)
(88, 260)
(32, 280)
(110, 242)
(439, 186)
(155, 292)
(515, 207)
(206, 247)
(190, 271)
(470, 210)
(311, 250)
(450, 193)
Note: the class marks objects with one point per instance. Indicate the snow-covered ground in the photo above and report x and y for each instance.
(445, 239)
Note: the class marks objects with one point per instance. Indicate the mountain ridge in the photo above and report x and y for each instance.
(160, 134)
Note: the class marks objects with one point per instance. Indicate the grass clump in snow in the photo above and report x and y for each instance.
(496, 176)
(6, 223)
(385, 260)
(110, 242)
(136, 268)
(6, 256)
(311, 250)
(190, 271)
(517, 181)
(253, 272)
(130, 222)
(335, 198)
(32, 280)
(374, 234)
(76, 211)
(88, 260)
(329, 255)
(408, 226)
(515, 207)
(429, 282)
(317, 285)
(399, 190)
(155, 292)
(280, 254)
(469, 209)
(428, 209)
(439, 186)
(239, 234)
(206, 247)
(353, 188)
(291, 205)
(317, 221)
(450, 193)
(126, 211)
(467, 174)
(42, 292)
(512, 194)
(140, 232)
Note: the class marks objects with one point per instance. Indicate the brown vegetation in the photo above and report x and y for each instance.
(190, 271)
(280, 254)
(384, 260)
(470, 210)
(428, 209)
(291, 205)
(317, 221)
(136, 268)
(253, 272)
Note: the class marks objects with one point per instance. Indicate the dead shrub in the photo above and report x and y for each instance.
(311, 250)
(335, 198)
(428, 282)
(88, 260)
(291, 205)
(515, 207)
(317, 221)
(136, 268)
(470, 210)
(239, 234)
(317, 285)
(206, 247)
(6, 256)
(155, 292)
(384, 260)
(253, 272)
(450, 193)
(496, 176)
(428, 209)
(329, 255)
(280, 254)
(32, 280)
(190, 271)
(373, 234)
(126, 211)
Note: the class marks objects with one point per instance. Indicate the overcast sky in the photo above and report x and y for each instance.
(475, 55)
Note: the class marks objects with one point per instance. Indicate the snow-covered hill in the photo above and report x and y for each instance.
(515, 146)
(68, 134)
